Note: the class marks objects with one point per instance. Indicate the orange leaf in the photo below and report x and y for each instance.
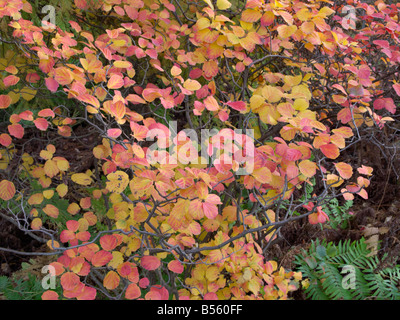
(111, 280)
(10, 80)
(36, 224)
(330, 150)
(63, 76)
(101, 258)
(344, 169)
(308, 168)
(262, 175)
(150, 262)
(51, 210)
(118, 109)
(191, 85)
(250, 15)
(177, 214)
(115, 82)
(88, 293)
(210, 69)
(211, 103)
(135, 99)
(108, 242)
(286, 31)
(88, 98)
(365, 170)
(150, 94)
(7, 190)
(132, 292)
(50, 295)
(69, 281)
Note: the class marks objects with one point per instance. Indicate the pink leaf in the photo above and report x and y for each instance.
(237, 105)
(150, 262)
(16, 130)
(114, 133)
(175, 266)
(41, 124)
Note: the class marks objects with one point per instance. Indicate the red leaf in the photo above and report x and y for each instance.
(5, 139)
(237, 105)
(210, 210)
(108, 242)
(46, 113)
(175, 266)
(101, 258)
(51, 84)
(330, 150)
(69, 281)
(66, 235)
(386, 103)
(5, 101)
(157, 292)
(10, 80)
(16, 130)
(88, 293)
(41, 124)
(50, 295)
(72, 225)
(150, 262)
(396, 88)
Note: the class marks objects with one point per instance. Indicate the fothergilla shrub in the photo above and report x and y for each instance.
(205, 117)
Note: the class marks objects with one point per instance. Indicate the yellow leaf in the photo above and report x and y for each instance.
(223, 4)
(62, 190)
(117, 181)
(28, 93)
(209, 3)
(212, 273)
(334, 180)
(303, 14)
(82, 179)
(191, 85)
(272, 94)
(48, 194)
(50, 168)
(122, 64)
(300, 104)
(286, 31)
(117, 259)
(176, 71)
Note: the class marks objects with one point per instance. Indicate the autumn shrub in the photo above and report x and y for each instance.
(206, 120)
